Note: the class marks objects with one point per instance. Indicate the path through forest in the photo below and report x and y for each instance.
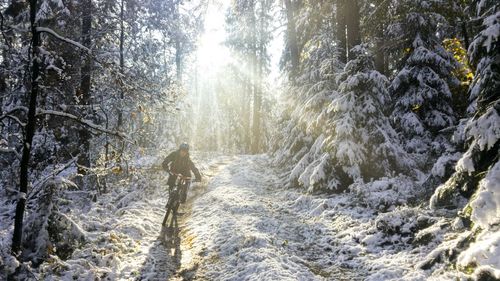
(243, 227)
(246, 228)
(241, 223)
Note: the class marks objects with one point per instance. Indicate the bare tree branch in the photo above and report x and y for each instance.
(64, 39)
(82, 121)
(15, 118)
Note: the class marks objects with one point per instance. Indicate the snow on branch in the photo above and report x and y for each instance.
(9, 115)
(13, 118)
(36, 187)
(10, 150)
(64, 39)
(82, 121)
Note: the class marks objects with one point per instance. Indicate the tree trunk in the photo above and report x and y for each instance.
(292, 37)
(247, 107)
(254, 76)
(122, 65)
(257, 106)
(380, 55)
(30, 132)
(341, 29)
(85, 83)
(178, 60)
(352, 23)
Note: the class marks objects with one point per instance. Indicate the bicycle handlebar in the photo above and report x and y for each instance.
(180, 175)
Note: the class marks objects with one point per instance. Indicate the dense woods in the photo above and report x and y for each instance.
(401, 92)
(394, 101)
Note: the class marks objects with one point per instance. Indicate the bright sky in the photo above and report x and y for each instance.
(213, 54)
(211, 51)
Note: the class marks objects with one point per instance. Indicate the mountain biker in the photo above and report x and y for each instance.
(179, 162)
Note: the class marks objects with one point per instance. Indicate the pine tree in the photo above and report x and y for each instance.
(421, 88)
(482, 130)
(361, 142)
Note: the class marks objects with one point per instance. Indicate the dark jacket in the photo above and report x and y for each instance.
(180, 165)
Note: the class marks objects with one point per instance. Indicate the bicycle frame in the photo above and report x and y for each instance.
(174, 201)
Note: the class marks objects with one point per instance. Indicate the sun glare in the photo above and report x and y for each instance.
(212, 53)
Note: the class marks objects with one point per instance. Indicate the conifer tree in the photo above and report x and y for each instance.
(421, 88)
(482, 131)
(362, 142)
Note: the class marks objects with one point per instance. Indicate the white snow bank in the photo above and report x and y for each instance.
(486, 205)
(484, 253)
(386, 193)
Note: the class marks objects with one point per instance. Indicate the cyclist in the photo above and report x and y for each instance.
(179, 162)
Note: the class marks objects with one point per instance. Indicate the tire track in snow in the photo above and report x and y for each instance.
(167, 263)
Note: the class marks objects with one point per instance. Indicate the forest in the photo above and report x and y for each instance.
(334, 139)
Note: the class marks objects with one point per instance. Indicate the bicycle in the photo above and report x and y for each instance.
(177, 195)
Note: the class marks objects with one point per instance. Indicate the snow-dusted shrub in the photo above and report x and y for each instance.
(46, 229)
(401, 221)
(386, 193)
(407, 226)
(483, 255)
(397, 227)
(486, 203)
(8, 263)
(447, 196)
(444, 164)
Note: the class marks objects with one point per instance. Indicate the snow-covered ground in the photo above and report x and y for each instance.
(247, 227)
(242, 224)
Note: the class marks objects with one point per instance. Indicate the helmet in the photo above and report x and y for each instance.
(184, 146)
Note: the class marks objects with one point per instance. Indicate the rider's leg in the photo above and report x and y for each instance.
(170, 183)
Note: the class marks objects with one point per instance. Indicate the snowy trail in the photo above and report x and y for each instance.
(243, 228)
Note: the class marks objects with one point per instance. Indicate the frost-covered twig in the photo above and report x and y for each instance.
(56, 172)
(15, 118)
(64, 39)
(5, 115)
(8, 149)
(82, 121)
